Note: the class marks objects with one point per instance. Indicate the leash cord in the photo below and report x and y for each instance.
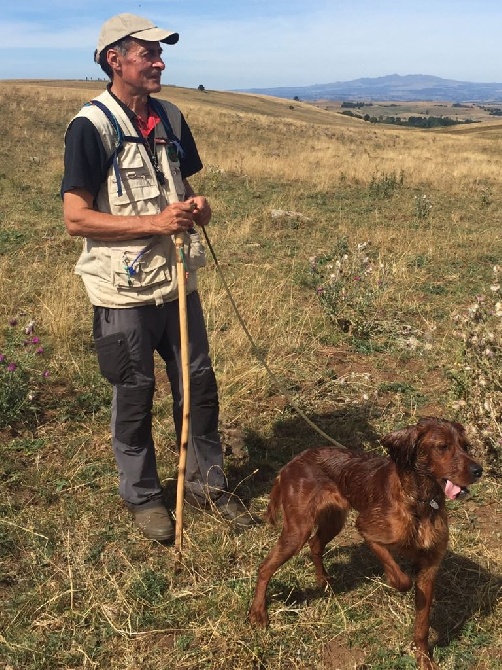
(258, 353)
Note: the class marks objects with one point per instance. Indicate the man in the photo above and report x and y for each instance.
(125, 190)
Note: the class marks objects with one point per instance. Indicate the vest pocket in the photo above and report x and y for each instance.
(136, 267)
(137, 187)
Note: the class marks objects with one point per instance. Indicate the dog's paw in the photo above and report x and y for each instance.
(401, 582)
(258, 617)
(426, 663)
(424, 660)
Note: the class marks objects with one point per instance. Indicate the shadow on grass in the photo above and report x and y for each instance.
(464, 589)
(254, 477)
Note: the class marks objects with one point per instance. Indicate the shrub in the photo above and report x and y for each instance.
(384, 184)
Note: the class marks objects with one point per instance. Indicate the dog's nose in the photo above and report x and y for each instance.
(476, 470)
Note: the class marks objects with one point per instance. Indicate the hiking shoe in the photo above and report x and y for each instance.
(154, 522)
(227, 506)
(231, 509)
(197, 502)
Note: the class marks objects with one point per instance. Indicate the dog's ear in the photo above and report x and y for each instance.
(462, 435)
(459, 428)
(402, 447)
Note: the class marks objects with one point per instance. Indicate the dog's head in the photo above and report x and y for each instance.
(436, 447)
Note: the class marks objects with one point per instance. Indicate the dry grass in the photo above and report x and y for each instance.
(363, 346)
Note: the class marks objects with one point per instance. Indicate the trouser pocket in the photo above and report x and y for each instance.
(114, 358)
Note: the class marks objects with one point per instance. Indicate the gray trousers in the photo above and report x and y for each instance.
(125, 341)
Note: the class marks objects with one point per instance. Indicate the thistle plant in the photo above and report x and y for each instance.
(423, 206)
(477, 381)
(348, 284)
(23, 370)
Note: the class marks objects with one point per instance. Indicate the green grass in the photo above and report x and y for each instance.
(80, 587)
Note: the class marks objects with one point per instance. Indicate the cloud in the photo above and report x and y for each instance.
(263, 43)
(31, 35)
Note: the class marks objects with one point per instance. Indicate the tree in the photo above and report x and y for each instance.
(201, 88)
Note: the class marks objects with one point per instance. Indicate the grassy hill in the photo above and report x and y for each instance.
(365, 261)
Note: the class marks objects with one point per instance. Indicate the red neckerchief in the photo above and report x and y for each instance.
(146, 127)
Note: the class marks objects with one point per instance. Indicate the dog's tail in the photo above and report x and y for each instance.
(275, 503)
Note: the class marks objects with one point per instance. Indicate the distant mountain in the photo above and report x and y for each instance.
(411, 87)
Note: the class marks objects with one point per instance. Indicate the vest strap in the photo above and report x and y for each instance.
(160, 110)
(120, 138)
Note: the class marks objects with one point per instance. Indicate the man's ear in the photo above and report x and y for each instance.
(114, 59)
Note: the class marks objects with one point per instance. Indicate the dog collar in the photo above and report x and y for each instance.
(432, 502)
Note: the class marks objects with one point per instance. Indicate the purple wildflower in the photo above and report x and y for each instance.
(35, 340)
(45, 373)
(11, 367)
(13, 322)
(40, 350)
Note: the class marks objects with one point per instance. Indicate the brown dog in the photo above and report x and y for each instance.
(401, 506)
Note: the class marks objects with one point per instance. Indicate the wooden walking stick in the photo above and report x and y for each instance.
(185, 367)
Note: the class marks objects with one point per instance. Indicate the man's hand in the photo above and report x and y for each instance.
(175, 218)
(201, 210)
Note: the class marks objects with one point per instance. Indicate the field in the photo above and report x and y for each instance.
(365, 261)
(461, 112)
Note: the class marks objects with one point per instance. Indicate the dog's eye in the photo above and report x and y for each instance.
(442, 448)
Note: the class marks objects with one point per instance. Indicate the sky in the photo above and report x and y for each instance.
(241, 44)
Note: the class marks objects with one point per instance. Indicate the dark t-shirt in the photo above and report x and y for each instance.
(86, 163)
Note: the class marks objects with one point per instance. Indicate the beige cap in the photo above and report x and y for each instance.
(130, 25)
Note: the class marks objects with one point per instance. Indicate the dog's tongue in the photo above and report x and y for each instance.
(451, 490)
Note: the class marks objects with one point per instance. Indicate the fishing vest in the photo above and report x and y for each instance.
(142, 271)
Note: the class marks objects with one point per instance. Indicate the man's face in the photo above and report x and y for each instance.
(142, 66)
